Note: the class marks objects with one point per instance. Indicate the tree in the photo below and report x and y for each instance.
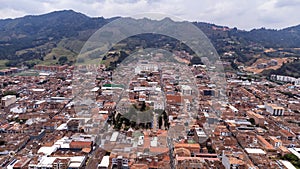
(143, 107)
(290, 157)
(11, 63)
(62, 60)
(293, 159)
(165, 116)
(9, 92)
(196, 60)
(252, 121)
(132, 124)
(167, 125)
(159, 122)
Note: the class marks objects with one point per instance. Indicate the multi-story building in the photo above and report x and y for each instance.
(287, 135)
(266, 145)
(120, 162)
(146, 66)
(8, 100)
(61, 163)
(73, 162)
(274, 109)
(275, 141)
(186, 90)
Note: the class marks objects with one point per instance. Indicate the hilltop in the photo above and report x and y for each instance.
(44, 39)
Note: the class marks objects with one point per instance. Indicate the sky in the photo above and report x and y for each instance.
(243, 14)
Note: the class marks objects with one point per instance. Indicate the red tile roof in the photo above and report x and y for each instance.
(81, 144)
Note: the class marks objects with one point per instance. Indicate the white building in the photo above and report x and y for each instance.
(114, 136)
(76, 162)
(297, 82)
(146, 67)
(201, 136)
(18, 110)
(274, 109)
(143, 88)
(104, 163)
(287, 164)
(286, 79)
(295, 151)
(187, 105)
(186, 90)
(8, 100)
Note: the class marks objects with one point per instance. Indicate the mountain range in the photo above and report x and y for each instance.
(45, 38)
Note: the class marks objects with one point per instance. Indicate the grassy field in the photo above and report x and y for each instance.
(62, 49)
(53, 57)
(2, 64)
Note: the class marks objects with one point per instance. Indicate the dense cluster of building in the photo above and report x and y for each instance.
(147, 114)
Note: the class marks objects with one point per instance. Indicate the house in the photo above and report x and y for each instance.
(191, 162)
(274, 109)
(230, 162)
(81, 144)
(8, 100)
(275, 141)
(259, 119)
(59, 163)
(265, 144)
(73, 125)
(174, 99)
(22, 163)
(286, 135)
(261, 66)
(186, 90)
(273, 62)
(195, 148)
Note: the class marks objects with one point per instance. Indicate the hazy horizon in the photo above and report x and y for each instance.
(247, 15)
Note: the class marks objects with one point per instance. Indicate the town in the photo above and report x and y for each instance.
(147, 114)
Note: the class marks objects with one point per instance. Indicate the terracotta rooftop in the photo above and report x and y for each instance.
(186, 145)
(265, 143)
(159, 150)
(286, 133)
(81, 144)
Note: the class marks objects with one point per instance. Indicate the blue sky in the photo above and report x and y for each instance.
(244, 14)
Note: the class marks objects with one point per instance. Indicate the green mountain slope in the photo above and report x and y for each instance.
(43, 39)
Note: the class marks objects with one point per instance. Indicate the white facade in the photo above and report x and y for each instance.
(274, 109)
(104, 163)
(8, 100)
(277, 143)
(187, 105)
(287, 164)
(18, 110)
(297, 82)
(147, 67)
(46, 162)
(142, 88)
(114, 136)
(186, 90)
(286, 79)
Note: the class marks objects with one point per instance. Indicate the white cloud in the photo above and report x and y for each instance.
(10, 13)
(234, 13)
